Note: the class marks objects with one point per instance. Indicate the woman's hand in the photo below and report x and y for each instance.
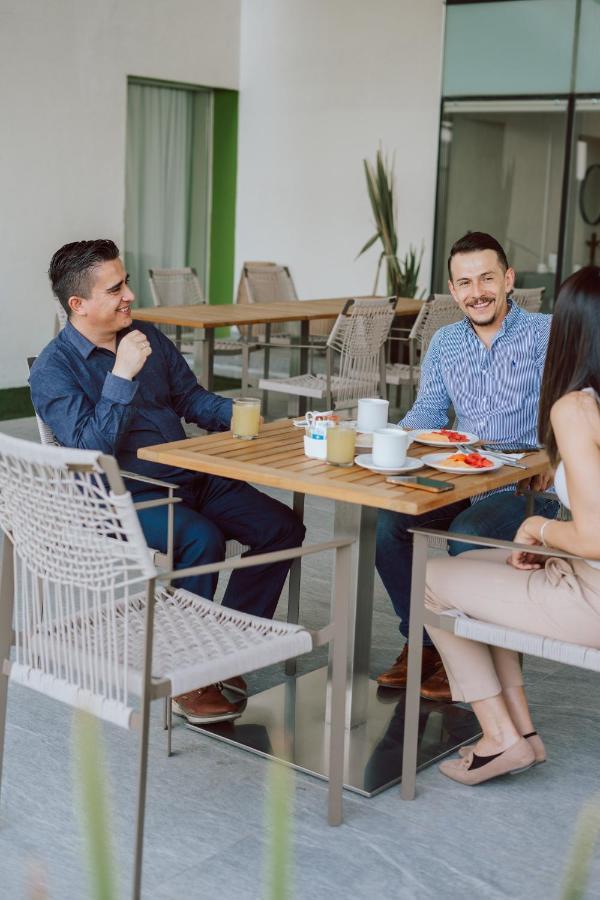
(528, 533)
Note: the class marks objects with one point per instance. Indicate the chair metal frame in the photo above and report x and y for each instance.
(181, 287)
(469, 628)
(77, 476)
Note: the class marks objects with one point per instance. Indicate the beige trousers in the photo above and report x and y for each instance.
(560, 601)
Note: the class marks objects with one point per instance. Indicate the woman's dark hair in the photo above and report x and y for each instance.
(473, 242)
(71, 268)
(573, 357)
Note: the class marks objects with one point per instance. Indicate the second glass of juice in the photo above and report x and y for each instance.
(341, 444)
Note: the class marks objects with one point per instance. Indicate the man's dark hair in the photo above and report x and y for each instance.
(473, 241)
(71, 268)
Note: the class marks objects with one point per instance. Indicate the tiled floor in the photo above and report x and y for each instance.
(205, 828)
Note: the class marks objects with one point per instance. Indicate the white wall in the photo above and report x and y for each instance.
(63, 78)
(323, 82)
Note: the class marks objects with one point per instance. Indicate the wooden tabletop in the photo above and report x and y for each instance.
(276, 458)
(206, 316)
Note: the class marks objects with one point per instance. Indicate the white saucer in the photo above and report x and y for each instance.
(365, 460)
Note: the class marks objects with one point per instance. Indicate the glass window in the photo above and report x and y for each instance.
(582, 240)
(500, 171)
(588, 68)
(514, 47)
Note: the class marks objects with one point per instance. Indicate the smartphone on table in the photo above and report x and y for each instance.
(421, 483)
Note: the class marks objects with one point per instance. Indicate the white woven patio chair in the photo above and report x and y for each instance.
(439, 310)
(358, 340)
(93, 628)
(529, 299)
(181, 287)
(471, 629)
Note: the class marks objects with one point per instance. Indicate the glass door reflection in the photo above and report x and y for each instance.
(501, 170)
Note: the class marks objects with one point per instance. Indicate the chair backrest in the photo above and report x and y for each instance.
(529, 299)
(60, 318)
(266, 283)
(439, 310)
(81, 570)
(175, 287)
(46, 434)
(359, 335)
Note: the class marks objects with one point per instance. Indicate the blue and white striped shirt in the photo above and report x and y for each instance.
(495, 393)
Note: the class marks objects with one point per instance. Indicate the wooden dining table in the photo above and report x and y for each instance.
(289, 720)
(207, 318)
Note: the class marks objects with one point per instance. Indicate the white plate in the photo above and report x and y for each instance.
(471, 438)
(435, 461)
(365, 460)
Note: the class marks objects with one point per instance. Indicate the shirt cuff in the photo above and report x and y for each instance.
(119, 390)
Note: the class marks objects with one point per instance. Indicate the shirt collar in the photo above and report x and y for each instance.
(510, 321)
(84, 346)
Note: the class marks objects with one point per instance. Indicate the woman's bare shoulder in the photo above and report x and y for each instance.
(576, 409)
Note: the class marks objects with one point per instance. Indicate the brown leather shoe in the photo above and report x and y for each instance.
(236, 685)
(436, 687)
(395, 677)
(205, 706)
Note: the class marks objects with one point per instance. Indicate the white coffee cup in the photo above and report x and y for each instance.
(390, 446)
(372, 414)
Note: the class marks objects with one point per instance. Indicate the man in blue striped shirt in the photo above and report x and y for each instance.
(488, 367)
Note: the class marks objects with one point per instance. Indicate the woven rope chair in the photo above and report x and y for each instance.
(436, 312)
(471, 629)
(92, 627)
(357, 340)
(181, 287)
(529, 299)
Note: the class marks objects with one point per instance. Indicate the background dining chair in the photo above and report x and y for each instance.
(529, 299)
(356, 349)
(471, 629)
(93, 629)
(181, 287)
(436, 312)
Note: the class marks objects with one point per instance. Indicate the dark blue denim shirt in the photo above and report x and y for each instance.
(75, 393)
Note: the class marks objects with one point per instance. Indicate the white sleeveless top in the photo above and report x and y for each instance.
(560, 483)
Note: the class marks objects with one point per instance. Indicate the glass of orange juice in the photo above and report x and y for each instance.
(341, 444)
(245, 420)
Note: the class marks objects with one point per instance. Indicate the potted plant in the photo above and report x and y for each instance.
(402, 274)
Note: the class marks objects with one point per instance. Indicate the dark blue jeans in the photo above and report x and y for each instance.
(214, 510)
(496, 516)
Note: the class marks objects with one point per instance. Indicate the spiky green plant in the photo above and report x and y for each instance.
(90, 782)
(587, 832)
(402, 275)
(278, 859)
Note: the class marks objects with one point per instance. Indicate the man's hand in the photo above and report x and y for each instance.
(539, 482)
(528, 533)
(132, 353)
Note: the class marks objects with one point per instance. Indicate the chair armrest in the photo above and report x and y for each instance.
(478, 541)
(150, 504)
(260, 559)
(146, 480)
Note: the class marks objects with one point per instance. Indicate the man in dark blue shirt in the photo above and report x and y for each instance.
(102, 384)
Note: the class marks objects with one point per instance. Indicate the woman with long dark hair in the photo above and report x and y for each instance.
(554, 597)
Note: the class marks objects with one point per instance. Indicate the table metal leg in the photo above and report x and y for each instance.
(208, 355)
(360, 523)
(303, 362)
(294, 583)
